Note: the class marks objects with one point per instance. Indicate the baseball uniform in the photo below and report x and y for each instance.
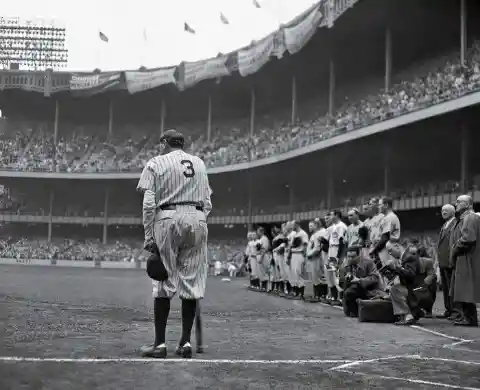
(251, 252)
(337, 232)
(279, 257)
(297, 260)
(375, 223)
(352, 237)
(389, 224)
(263, 258)
(315, 268)
(175, 207)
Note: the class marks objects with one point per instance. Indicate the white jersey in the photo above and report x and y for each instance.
(251, 249)
(313, 250)
(302, 234)
(375, 223)
(352, 236)
(337, 232)
(177, 177)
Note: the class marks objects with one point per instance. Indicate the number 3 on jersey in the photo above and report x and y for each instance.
(188, 171)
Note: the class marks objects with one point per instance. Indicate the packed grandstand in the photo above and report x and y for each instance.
(344, 79)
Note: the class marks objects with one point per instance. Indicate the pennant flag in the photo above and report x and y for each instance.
(188, 29)
(223, 19)
(256, 4)
(103, 37)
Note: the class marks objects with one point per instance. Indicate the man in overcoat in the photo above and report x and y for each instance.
(465, 256)
(444, 258)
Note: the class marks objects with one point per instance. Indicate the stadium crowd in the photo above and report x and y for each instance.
(29, 146)
(368, 268)
(227, 252)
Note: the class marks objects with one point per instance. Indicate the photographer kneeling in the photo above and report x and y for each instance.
(404, 275)
(361, 280)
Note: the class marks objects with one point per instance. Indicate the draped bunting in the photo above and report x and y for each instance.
(291, 37)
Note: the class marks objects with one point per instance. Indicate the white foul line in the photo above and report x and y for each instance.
(343, 366)
(440, 334)
(409, 380)
(347, 365)
(173, 360)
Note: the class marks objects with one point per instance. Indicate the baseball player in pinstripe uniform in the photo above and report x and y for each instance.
(279, 244)
(251, 258)
(298, 248)
(264, 258)
(176, 203)
(315, 266)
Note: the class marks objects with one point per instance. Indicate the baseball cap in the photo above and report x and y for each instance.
(173, 138)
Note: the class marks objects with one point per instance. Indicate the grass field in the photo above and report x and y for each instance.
(74, 328)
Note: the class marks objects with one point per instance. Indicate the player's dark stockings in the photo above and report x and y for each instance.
(334, 292)
(161, 309)
(289, 288)
(189, 307)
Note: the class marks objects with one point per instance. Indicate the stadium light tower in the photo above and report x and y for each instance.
(35, 44)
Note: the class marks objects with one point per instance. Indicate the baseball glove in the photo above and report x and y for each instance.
(297, 242)
(324, 244)
(258, 246)
(363, 233)
(155, 268)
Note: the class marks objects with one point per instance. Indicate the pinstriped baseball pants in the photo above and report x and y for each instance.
(282, 265)
(181, 236)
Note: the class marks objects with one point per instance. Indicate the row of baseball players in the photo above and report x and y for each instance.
(280, 265)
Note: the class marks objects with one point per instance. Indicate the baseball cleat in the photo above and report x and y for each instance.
(150, 351)
(185, 351)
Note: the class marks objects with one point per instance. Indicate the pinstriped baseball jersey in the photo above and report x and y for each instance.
(180, 233)
(177, 177)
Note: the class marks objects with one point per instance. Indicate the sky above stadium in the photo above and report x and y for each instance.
(151, 32)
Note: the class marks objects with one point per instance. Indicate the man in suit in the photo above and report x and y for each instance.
(465, 256)
(361, 280)
(427, 292)
(405, 265)
(444, 261)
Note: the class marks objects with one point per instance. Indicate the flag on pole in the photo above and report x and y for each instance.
(256, 3)
(103, 37)
(223, 19)
(188, 29)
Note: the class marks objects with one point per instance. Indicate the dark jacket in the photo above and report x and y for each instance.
(443, 248)
(367, 272)
(409, 271)
(465, 253)
(427, 271)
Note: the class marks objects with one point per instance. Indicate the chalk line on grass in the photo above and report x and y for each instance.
(354, 363)
(440, 334)
(368, 361)
(411, 380)
(173, 360)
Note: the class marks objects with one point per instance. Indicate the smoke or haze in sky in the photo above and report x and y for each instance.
(128, 23)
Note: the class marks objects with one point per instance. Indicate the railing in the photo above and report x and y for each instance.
(332, 133)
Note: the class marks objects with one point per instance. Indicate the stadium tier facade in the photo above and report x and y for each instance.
(321, 114)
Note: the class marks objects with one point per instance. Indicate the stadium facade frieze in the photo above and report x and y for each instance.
(345, 136)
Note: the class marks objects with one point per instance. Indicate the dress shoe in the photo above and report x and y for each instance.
(465, 322)
(445, 314)
(454, 317)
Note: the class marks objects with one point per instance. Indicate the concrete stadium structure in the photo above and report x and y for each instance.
(433, 143)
